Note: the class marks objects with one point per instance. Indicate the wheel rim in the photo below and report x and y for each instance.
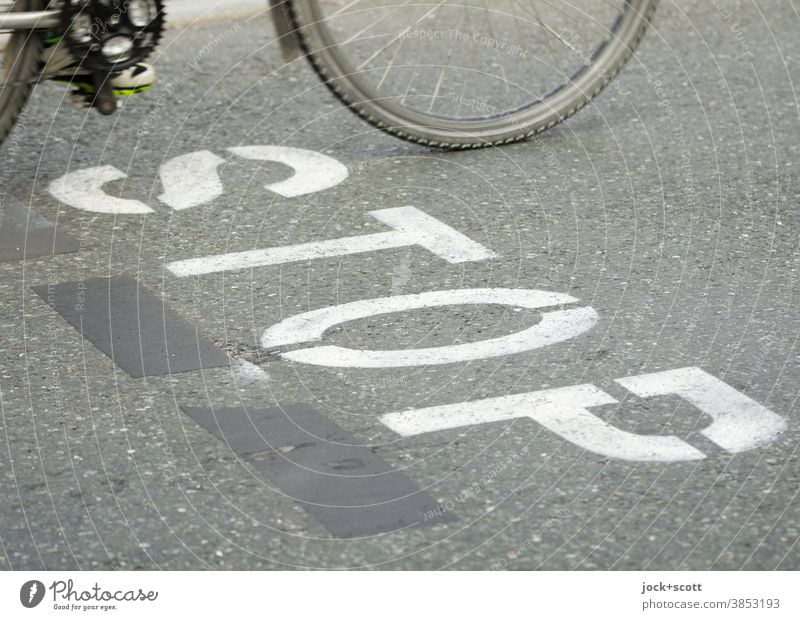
(455, 66)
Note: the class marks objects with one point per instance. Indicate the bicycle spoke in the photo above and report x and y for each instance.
(469, 72)
(397, 37)
(467, 58)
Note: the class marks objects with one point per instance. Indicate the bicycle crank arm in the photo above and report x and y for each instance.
(104, 100)
(30, 20)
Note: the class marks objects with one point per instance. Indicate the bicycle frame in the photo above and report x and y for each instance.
(287, 36)
(51, 18)
(30, 20)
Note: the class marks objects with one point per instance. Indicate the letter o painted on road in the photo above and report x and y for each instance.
(555, 326)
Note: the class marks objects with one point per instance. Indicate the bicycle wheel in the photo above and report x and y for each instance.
(468, 73)
(20, 58)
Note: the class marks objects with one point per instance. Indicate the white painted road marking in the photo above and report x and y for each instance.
(554, 327)
(191, 180)
(562, 411)
(83, 189)
(740, 423)
(313, 172)
(412, 227)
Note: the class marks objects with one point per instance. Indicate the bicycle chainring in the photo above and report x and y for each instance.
(108, 36)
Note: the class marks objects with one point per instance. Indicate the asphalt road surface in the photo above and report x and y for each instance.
(150, 419)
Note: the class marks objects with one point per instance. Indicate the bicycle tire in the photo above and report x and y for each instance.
(22, 57)
(337, 73)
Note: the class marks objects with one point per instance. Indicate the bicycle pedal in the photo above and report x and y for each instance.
(80, 100)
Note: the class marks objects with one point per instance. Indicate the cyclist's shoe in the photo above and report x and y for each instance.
(136, 79)
(64, 68)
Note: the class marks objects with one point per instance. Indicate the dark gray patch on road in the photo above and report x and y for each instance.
(132, 326)
(343, 485)
(26, 234)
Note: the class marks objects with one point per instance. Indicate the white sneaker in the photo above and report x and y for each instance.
(134, 80)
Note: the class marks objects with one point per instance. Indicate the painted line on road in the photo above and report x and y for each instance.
(563, 411)
(411, 227)
(344, 486)
(554, 327)
(313, 171)
(739, 423)
(24, 234)
(132, 326)
(83, 189)
(191, 180)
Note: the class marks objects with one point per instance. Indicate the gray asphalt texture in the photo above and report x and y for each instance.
(672, 211)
